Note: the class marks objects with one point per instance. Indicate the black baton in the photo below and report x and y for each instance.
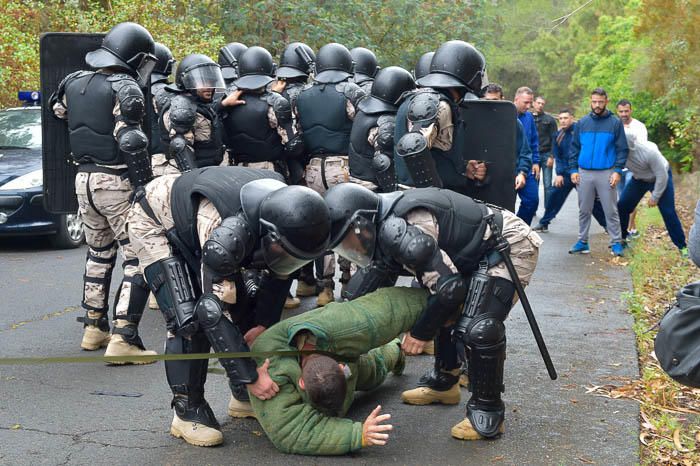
(503, 247)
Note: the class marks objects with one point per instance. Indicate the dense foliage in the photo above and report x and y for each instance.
(643, 50)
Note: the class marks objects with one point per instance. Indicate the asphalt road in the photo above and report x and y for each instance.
(56, 414)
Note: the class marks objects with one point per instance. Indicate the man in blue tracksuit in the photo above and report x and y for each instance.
(529, 194)
(598, 155)
(561, 146)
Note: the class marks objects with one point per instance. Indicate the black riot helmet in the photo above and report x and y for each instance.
(333, 63)
(354, 211)
(129, 47)
(164, 65)
(423, 65)
(389, 85)
(295, 228)
(229, 55)
(456, 64)
(255, 68)
(297, 61)
(365, 64)
(197, 71)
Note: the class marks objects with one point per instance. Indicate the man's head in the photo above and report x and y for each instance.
(624, 111)
(493, 92)
(566, 118)
(323, 380)
(538, 104)
(523, 99)
(599, 100)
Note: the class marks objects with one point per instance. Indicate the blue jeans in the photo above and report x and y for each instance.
(633, 193)
(546, 173)
(529, 199)
(557, 199)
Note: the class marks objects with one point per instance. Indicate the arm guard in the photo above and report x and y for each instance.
(183, 114)
(133, 145)
(170, 281)
(448, 299)
(225, 338)
(294, 147)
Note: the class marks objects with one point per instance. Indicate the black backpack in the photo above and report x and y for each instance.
(677, 344)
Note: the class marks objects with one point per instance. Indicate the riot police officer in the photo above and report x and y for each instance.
(447, 242)
(189, 120)
(229, 55)
(325, 110)
(365, 68)
(297, 63)
(104, 110)
(457, 71)
(194, 233)
(260, 133)
(371, 154)
(159, 79)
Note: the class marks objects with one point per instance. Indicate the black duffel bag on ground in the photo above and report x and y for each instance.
(677, 344)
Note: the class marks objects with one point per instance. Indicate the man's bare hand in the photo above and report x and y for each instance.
(252, 334)
(559, 181)
(412, 346)
(476, 170)
(652, 202)
(233, 99)
(520, 181)
(614, 179)
(536, 171)
(264, 388)
(279, 86)
(575, 178)
(372, 429)
(550, 162)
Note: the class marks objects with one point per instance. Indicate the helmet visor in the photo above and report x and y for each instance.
(207, 76)
(277, 258)
(359, 241)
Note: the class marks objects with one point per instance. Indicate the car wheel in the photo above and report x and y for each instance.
(70, 232)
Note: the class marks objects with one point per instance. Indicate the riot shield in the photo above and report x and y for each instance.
(491, 137)
(60, 54)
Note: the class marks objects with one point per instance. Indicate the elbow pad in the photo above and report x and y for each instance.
(133, 145)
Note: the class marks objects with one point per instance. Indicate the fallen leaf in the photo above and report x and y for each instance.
(16, 427)
(677, 441)
(643, 438)
(574, 400)
(497, 458)
(257, 433)
(585, 460)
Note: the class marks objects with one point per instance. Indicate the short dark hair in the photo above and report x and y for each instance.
(566, 110)
(624, 102)
(599, 91)
(325, 384)
(494, 88)
(541, 97)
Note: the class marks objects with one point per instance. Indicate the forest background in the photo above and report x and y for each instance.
(646, 51)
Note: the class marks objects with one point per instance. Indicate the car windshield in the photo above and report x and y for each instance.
(20, 128)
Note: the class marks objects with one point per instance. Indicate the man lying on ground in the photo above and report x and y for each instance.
(315, 391)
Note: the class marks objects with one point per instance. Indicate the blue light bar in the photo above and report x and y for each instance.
(29, 97)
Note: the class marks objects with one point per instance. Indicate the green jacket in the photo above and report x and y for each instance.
(350, 330)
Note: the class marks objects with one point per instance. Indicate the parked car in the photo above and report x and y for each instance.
(21, 198)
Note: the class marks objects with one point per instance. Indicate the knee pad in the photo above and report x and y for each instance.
(486, 331)
(208, 311)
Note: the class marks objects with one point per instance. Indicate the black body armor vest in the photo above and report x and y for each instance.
(361, 153)
(248, 133)
(324, 120)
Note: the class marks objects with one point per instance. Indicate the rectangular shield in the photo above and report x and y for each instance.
(60, 53)
(491, 137)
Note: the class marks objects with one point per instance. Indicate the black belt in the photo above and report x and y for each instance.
(123, 173)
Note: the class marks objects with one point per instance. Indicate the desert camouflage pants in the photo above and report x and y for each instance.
(321, 175)
(162, 166)
(103, 201)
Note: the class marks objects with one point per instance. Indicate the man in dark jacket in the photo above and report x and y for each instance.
(546, 132)
(598, 155)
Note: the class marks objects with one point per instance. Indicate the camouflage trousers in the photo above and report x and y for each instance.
(162, 166)
(321, 174)
(103, 201)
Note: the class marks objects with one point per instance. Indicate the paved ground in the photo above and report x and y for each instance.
(53, 414)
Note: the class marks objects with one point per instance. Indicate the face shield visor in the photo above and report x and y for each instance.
(204, 76)
(359, 240)
(143, 64)
(279, 255)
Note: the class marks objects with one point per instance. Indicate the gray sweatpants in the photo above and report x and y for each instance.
(597, 182)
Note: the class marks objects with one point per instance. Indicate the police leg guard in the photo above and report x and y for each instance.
(225, 337)
(171, 284)
(414, 151)
(193, 418)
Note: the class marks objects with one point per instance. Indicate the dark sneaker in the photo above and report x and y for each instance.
(541, 228)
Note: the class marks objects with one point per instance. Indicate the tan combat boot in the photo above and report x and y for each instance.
(240, 409)
(436, 387)
(325, 297)
(119, 346)
(465, 431)
(93, 337)
(152, 302)
(291, 302)
(195, 433)
(305, 290)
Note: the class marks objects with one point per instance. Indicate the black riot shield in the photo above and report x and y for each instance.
(491, 137)
(61, 53)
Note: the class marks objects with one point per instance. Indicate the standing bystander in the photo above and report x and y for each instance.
(636, 127)
(529, 196)
(546, 132)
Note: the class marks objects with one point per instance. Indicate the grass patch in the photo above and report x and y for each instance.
(670, 413)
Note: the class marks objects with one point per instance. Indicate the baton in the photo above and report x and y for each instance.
(304, 55)
(230, 58)
(503, 248)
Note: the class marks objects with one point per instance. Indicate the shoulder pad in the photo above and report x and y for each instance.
(423, 108)
(119, 81)
(385, 137)
(113, 78)
(407, 244)
(183, 113)
(351, 91)
(386, 119)
(163, 99)
(278, 103)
